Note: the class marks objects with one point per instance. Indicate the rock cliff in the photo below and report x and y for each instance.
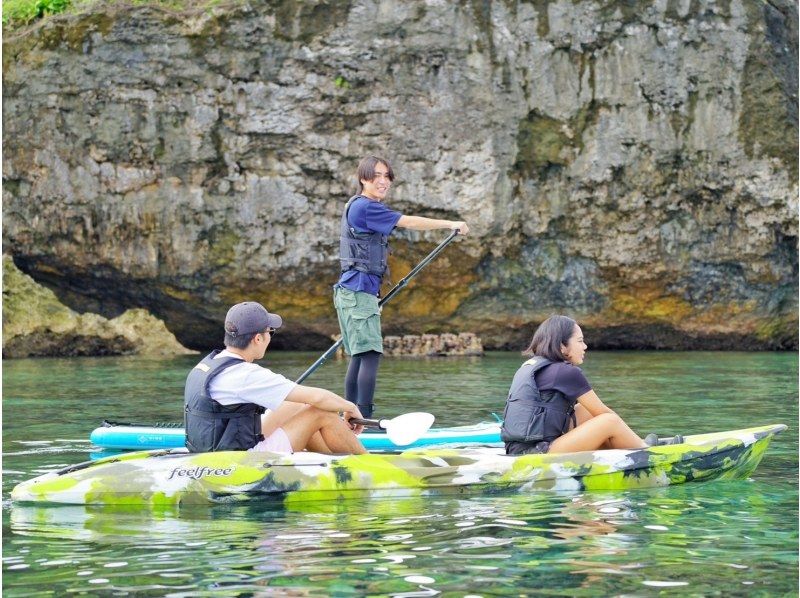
(36, 324)
(433, 345)
(633, 164)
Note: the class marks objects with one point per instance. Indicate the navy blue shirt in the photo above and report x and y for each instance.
(564, 377)
(368, 216)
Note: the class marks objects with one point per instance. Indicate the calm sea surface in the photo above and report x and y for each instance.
(712, 539)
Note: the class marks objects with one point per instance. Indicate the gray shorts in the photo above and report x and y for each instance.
(359, 320)
(527, 448)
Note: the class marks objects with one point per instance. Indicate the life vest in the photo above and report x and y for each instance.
(365, 252)
(211, 426)
(533, 416)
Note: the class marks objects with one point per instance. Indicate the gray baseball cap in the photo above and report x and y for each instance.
(250, 317)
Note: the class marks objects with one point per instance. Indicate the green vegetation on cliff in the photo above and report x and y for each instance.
(18, 13)
(22, 12)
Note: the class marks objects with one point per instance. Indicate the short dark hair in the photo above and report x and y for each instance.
(366, 170)
(549, 336)
(240, 341)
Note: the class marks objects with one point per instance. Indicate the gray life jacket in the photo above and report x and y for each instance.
(211, 426)
(365, 252)
(533, 416)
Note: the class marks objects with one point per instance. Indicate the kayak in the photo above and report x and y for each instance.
(178, 478)
(133, 437)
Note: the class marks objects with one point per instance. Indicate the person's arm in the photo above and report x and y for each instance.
(422, 223)
(324, 400)
(592, 403)
(570, 380)
(320, 398)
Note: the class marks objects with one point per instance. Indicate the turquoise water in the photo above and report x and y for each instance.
(718, 538)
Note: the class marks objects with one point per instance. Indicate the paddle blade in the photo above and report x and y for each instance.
(405, 429)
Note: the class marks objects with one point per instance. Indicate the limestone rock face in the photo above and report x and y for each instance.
(633, 165)
(433, 345)
(35, 324)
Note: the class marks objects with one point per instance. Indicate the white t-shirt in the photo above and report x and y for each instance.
(249, 383)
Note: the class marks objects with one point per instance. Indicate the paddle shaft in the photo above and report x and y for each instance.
(367, 423)
(396, 289)
(370, 423)
(107, 423)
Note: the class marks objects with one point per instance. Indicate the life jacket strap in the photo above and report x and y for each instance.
(221, 414)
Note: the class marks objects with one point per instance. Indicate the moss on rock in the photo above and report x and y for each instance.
(541, 141)
(769, 98)
(36, 324)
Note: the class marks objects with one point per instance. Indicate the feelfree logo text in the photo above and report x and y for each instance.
(196, 473)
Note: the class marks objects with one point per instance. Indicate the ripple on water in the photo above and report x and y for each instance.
(665, 584)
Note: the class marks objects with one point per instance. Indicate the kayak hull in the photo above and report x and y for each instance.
(162, 478)
(154, 437)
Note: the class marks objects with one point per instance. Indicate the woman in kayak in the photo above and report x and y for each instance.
(551, 407)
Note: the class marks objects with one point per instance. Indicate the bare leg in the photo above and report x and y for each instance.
(316, 444)
(272, 420)
(582, 416)
(341, 439)
(335, 434)
(593, 434)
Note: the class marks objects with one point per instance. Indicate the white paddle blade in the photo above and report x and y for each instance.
(405, 429)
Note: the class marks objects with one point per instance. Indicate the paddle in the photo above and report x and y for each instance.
(403, 429)
(110, 423)
(413, 423)
(396, 289)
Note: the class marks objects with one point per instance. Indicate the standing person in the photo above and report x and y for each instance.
(363, 251)
(551, 407)
(226, 395)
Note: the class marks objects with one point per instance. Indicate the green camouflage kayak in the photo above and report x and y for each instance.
(175, 477)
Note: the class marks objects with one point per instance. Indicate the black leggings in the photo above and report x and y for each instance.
(359, 383)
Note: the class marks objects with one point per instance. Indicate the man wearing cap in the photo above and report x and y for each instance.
(226, 395)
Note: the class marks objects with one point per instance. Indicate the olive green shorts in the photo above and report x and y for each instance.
(359, 321)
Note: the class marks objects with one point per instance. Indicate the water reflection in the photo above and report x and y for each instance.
(567, 542)
(377, 546)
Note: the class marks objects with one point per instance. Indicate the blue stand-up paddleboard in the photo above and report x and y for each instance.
(133, 437)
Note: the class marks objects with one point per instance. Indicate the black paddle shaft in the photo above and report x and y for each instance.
(108, 423)
(396, 289)
(370, 423)
(367, 423)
